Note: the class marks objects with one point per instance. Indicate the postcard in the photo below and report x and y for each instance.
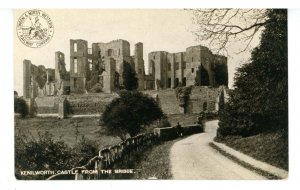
(195, 94)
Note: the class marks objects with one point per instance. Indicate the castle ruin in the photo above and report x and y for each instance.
(96, 73)
(100, 68)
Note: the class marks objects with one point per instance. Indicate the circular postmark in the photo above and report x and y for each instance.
(35, 28)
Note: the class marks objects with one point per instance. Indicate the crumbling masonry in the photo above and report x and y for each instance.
(99, 69)
(96, 73)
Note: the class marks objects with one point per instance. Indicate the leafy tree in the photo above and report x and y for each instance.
(259, 101)
(129, 113)
(221, 74)
(20, 107)
(130, 81)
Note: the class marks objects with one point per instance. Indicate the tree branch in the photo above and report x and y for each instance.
(221, 27)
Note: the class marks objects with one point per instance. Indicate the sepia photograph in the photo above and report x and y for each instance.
(151, 94)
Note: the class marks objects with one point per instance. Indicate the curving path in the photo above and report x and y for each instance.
(193, 158)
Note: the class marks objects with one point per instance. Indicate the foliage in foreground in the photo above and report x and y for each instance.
(44, 153)
(128, 114)
(259, 101)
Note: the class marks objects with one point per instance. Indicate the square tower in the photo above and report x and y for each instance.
(79, 67)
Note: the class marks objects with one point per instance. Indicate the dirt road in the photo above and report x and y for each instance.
(193, 158)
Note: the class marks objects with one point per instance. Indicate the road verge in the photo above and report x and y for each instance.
(267, 170)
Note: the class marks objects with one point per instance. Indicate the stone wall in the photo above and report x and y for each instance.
(201, 99)
(204, 99)
(183, 68)
(47, 105)
(89, 104)
(75, 104)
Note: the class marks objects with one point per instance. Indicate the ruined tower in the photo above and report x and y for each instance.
(79, 67)
(196, 66)
(119, 50)
(108, 75)
(62, 77)
(158, 65)
(139, 65)
(60, 68)
(30, 87)
(200, 64)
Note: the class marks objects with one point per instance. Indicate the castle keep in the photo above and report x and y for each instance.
(99, 70)
(197, 65)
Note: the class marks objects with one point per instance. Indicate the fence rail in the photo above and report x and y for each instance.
(109, 157)
(121, 154)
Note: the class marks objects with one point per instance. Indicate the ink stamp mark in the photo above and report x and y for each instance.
(35, 28)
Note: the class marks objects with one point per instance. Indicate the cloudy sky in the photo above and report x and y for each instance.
(168, 30)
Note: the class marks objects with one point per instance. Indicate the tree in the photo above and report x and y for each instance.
(220, 28)
(259, 101)
(130, 81)
(129, 113)
(20, 106)
(221, 74)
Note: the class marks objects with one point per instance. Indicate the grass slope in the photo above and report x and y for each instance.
(267, 147)
(155, 162)
(68, 130)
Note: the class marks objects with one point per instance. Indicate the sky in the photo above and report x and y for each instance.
(158, 30)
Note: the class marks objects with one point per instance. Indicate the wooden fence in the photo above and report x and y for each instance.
(108, 158)
(121, 154)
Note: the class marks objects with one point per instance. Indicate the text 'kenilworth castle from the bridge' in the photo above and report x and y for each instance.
(102, 66)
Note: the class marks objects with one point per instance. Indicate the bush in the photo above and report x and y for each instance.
(41, 154)
(127, 114)
(46, 154)
(84, 150)
(96, 88)
(163, 123)
(20, 106)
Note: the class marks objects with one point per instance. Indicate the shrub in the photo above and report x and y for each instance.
(20, 106)
(44, 153)
(96, 88)
(127, 114)
(83, 151)
(163, 123)
(40, 154)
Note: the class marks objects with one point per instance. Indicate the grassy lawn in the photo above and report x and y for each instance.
(268, 147)
(155, 162)
(70, 130)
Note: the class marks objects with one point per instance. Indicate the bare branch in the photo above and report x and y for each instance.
(221, 27)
